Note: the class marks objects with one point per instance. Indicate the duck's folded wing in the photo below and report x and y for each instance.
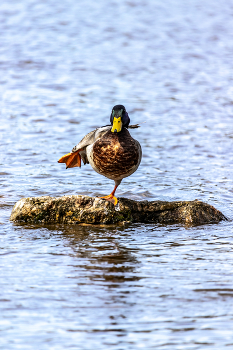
(73, 159)
(86, 141)
(91, 137)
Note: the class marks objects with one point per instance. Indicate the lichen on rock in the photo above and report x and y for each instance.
(77, 209)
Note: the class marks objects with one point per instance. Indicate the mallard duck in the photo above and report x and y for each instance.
(110, 150)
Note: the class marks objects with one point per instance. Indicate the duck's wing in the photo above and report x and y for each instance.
(73, 159)
(91, 137)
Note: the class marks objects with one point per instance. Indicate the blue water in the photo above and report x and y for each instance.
(63, 66)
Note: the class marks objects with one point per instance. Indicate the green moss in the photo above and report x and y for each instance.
(40, 217)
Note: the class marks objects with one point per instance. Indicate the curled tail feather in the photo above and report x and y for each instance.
(71, 159)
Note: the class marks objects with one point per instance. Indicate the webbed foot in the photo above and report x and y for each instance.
(110, 198)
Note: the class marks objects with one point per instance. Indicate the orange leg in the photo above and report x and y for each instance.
(111, 197)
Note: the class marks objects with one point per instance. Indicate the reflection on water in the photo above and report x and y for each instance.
(63, 66)
(119, 287)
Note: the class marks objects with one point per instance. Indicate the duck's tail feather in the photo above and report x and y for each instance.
(71, 159)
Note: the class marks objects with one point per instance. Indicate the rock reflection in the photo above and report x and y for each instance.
(107, 258)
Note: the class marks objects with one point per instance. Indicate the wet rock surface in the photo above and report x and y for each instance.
(78, 209)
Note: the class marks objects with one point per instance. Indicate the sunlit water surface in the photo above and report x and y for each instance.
(63, 66)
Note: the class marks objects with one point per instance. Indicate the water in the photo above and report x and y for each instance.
(63, 66)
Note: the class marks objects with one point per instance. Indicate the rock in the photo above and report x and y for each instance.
(91, 210)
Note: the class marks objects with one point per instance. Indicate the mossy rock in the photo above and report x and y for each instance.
(91, 210)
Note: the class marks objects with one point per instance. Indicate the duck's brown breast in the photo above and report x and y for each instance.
(116, 154)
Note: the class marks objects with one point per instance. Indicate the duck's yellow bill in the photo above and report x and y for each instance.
(117, 125)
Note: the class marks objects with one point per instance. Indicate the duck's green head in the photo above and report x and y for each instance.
(119, 118)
